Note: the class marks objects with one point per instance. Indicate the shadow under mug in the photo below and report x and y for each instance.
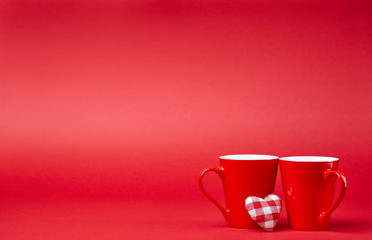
(309, 184)
(243, 175)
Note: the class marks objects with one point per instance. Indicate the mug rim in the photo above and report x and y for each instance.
(248, 157)
(308, 159)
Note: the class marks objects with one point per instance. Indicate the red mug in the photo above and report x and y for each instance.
(309, 184)
(243, 175)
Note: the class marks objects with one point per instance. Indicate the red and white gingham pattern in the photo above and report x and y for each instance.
(265, 212)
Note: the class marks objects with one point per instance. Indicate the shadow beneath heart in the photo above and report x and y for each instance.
(281, 225)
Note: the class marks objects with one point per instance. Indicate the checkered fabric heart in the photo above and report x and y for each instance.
(265, 212)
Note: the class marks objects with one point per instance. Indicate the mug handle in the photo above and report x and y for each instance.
(327, 174)
(220, 173)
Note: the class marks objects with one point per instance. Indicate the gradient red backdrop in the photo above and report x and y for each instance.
(109, 110)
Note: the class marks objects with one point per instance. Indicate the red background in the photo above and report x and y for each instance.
(109, 110)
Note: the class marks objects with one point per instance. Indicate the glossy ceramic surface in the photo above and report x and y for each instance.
(309, 187)
(242, 178)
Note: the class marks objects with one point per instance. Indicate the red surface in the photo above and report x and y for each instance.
(241, 179)
(308, 189)
(109, 110)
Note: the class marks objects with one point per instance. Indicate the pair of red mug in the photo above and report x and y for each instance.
(308, 184)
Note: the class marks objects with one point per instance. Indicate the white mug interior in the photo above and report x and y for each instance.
(309, 159)
(248, 157)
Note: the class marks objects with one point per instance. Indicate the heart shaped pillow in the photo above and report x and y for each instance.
(265, 212)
